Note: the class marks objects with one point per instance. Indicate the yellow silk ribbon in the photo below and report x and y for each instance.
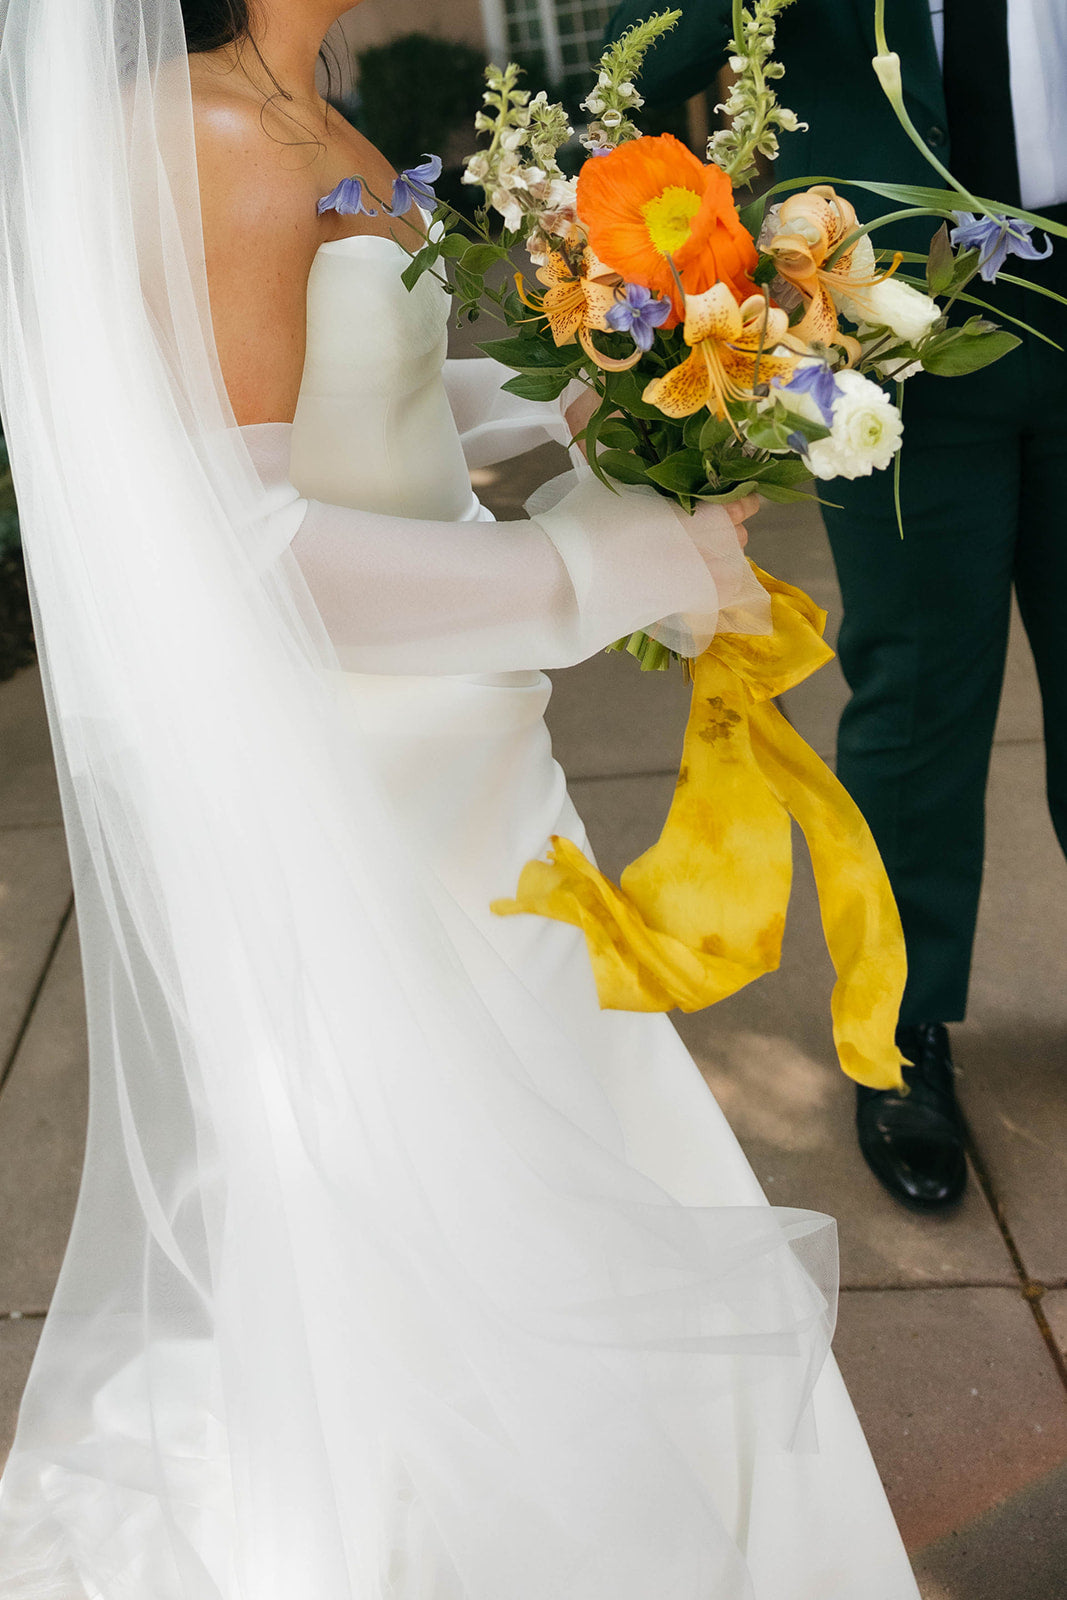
(702, 912)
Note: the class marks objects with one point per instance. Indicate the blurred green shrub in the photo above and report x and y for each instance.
(9, 517)
(415, 92)
(16, 623)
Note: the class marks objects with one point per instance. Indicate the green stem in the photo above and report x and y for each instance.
(739, 25)
(988, 208)
(891, 87)
(879, 222)
(896, 468)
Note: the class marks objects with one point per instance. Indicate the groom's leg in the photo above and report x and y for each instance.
(1041, 563)
(922, 647)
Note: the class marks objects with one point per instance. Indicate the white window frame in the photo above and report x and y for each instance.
(494, 18)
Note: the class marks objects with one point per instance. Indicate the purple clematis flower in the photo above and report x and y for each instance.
(347, 200)
(639, 314)
(415, 187)
(819, 382)
(997, 238)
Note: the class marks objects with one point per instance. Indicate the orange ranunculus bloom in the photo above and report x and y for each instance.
(651, 199)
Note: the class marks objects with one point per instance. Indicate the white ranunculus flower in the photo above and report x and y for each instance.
(865, 434)
(905, 311)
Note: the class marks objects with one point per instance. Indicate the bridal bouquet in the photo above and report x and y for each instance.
(730, 350)
(727, 350)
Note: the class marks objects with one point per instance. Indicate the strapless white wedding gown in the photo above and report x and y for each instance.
(383, 424)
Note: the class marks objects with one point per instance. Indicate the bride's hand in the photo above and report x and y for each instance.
(579, 412)
(738, 511)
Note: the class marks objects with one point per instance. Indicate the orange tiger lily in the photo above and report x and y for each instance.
(735, 347)
(810, 228)
(579, 293)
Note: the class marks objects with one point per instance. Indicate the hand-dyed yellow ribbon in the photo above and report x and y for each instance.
(702, 912)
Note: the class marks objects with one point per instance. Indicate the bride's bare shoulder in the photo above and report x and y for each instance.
(258, 188)
(264, 162)
(258, 170)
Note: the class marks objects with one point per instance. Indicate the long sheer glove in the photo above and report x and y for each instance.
(398, 595)
(494, 425)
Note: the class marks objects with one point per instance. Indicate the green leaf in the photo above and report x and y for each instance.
(968, 352)
(626, 390)
(766, 269)
(692, 428)
(454, 245)
(810, 430)
(941, 262)
(590, 437)
(531, 354)
(736, 491)
(780, 470)
(716, 431)
(681, 473)
(784, 494)
(480, 257)
(771, 430)
(624, 465)
(537, 385)
(966, 265)
(616, 435)
(419, 264)
(940, 202)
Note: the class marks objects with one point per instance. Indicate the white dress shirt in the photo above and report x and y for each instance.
(1037, 47)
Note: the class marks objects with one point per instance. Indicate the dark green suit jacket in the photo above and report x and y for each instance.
(826, 47)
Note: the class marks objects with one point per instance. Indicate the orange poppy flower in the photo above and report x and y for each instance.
(651, 202)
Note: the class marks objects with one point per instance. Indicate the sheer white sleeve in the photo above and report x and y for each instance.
(400, 595)
(494, 426)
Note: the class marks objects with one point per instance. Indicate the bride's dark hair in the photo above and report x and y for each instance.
(210, 24)
(213, 24)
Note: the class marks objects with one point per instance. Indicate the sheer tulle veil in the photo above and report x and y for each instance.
(362, 1297)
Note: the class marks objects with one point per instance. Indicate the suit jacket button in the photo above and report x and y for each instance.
(936, 136)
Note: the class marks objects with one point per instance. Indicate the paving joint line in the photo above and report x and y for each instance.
(1031, 1289)
(935, 1283)
(31, 1006)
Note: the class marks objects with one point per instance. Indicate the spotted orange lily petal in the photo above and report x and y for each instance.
(734, 348)
(579, 293)
(810, 228)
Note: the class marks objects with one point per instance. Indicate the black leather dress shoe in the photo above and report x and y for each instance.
(914, 1143)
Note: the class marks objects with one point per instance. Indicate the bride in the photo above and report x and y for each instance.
(400, 1271)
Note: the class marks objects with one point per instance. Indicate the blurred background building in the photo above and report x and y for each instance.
(564, 34)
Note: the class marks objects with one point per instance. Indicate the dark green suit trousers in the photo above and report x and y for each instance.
(983, 489)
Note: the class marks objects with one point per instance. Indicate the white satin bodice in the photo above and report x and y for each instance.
(373, 428)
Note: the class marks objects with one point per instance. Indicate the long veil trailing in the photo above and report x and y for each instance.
(362, 1297)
